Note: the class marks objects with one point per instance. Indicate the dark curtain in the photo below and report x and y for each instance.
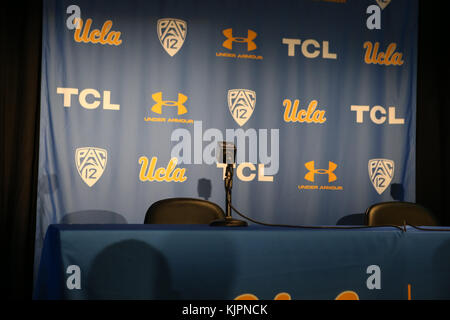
(19, 93)
(433, 103)
(19, 142)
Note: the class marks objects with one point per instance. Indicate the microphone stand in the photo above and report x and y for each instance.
(228, 221)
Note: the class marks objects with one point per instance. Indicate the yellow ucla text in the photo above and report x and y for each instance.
(250, 296)
(309, 115)
(388, 58)
(346, 295)
(149, 172)
(83, 33)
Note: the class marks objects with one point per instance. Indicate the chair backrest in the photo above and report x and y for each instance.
(183, 211)
(399, 213)
(93, 217)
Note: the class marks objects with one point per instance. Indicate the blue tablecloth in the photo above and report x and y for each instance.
(202, 262)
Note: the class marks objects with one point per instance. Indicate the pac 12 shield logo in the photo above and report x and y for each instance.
(91, 163)
(381, 172)
(241, 103)
(171, 34)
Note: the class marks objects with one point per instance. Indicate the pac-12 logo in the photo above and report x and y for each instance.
(90, 163)
(171, 34)
(241, 103)
(381, 172)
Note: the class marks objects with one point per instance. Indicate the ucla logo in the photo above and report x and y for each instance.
(103, 36)
(171, 34)
(171, 173)
(241, 103)
(251, 35)
(313, 171)
(90, 163)
(309, 115)
(346, 295)
(83, 32)
(389, 58)
(381, 172)
(181, 109)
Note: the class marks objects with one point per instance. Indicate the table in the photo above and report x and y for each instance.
(202, 262)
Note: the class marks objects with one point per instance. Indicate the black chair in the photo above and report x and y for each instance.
(183, 211)
(399, 213)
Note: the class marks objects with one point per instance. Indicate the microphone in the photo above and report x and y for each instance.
(226, 153)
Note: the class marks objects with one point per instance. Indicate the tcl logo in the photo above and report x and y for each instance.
(377, 114)
(309, 48)
(88, 98)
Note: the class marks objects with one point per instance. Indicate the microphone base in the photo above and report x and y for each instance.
(228, 222)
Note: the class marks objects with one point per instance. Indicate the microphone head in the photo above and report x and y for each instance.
(226, 152)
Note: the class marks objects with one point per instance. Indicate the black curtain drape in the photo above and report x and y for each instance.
(19, 142)
(433, 103)
(21, 29)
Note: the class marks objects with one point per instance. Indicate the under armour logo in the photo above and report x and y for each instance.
(157, 97)
(251, 35)
(312, 171)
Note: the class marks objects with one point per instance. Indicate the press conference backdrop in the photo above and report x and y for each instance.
(317, 96)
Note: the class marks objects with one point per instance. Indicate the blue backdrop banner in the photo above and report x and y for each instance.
(318, 96)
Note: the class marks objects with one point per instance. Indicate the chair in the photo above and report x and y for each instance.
(93, 217)
(399, 213)
(183, 211)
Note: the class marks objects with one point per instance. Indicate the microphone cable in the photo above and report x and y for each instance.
(401, 228)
